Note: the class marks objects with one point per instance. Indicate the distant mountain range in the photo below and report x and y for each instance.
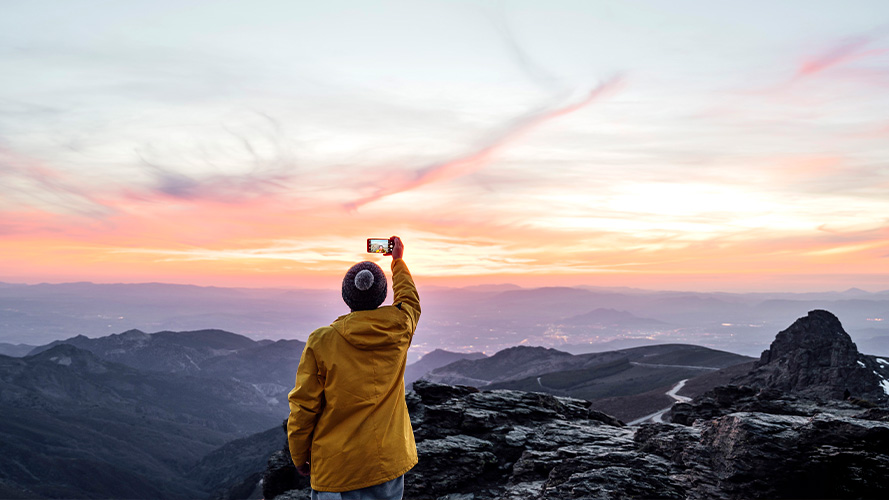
(613, 318)
(37, 314)
(483, 319)
(15, 350)
(268, 366)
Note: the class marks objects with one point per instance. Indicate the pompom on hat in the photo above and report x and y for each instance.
(364, 286)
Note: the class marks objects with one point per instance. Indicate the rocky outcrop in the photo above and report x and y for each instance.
(815, 357)
(481, 445)
(762, 455)
(281, 481)
(788, 437)
(809, 368)
(506, 443)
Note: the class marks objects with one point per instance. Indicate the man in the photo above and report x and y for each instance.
(349, 427)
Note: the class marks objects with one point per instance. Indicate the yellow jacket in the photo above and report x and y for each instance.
(347, 410)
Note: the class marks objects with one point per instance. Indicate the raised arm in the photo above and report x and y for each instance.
(404, 291)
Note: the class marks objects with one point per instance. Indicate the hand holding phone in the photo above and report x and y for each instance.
(391, 246)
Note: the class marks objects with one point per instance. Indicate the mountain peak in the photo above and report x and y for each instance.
(819, 332)
(815, 356)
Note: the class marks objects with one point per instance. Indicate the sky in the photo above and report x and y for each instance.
(733, 146)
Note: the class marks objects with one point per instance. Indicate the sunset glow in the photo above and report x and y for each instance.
(259, 144)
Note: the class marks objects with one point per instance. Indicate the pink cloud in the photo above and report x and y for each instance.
(475, 160)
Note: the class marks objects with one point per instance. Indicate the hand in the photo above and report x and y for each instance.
(304, 469)
(397, 248)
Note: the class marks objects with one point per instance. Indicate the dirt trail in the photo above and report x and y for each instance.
(658, 416)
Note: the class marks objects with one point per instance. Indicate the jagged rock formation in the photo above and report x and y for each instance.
(765, 455)
(281, 481)
(787, 436)
(810, 365)
(515, 445)
(482, 442)
(816, 357)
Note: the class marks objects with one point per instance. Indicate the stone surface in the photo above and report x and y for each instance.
(776, 434)
(815, 357)
(511, 444)
(281, 477)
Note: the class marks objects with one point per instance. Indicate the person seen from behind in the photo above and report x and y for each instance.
(349, 427)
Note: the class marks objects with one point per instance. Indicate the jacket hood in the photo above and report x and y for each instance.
(376, 329)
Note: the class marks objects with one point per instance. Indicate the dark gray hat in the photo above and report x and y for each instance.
(364, 286)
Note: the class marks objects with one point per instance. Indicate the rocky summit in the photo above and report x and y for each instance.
(786, 429)
(816, 357)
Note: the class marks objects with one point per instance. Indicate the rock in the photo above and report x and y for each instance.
(301, 494)
(281, 476)
(727, 399)
(526, 445)
(449, 464)
(666, 440)
(606, 474)
(815, 357)
(757, 455)
(432, 393)
(774, 434)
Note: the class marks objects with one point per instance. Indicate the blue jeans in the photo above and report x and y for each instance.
(390, 490)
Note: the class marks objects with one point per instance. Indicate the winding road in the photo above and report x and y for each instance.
(658, 416)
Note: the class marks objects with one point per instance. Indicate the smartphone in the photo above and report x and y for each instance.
(380, 245)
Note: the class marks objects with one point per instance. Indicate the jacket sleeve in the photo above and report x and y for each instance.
(306, 402)
(405, 292)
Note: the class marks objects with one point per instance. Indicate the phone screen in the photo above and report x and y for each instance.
(377, 245)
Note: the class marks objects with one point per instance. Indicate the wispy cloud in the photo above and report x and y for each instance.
(479, 157)
(30, 182)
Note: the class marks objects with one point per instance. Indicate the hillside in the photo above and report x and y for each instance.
(78, 426)
(642, 373)
(235, 469)
(433, 360)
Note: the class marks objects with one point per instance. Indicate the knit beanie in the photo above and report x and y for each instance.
(364, 286)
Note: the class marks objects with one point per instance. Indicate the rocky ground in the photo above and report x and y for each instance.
(788, 429)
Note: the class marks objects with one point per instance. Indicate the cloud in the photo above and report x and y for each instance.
(479, 157)
(30, 182)
(839, 59)
(227, 188)
(842, 53)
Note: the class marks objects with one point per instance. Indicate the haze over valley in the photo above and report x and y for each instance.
(472, 319)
